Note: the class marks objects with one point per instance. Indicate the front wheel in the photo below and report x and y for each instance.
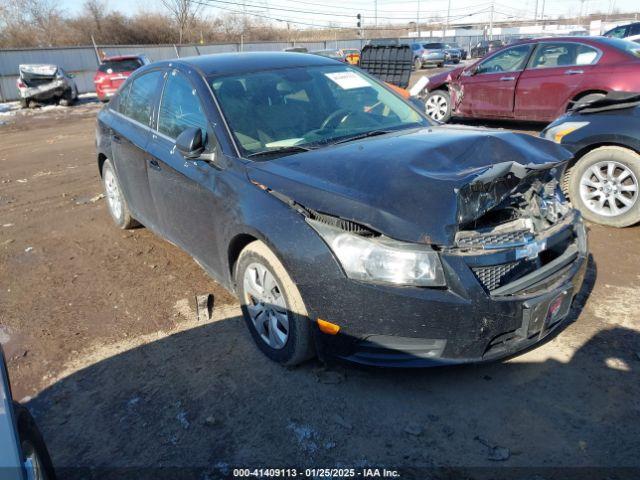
(36, 456)
(603, 185)
(272, 306)
(417, 64)
(437, 105)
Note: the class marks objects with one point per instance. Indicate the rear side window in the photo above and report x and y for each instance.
(618, 32)
(120, 66)
(634, 29)
(550, 55)
(180, 107)
(142, 93)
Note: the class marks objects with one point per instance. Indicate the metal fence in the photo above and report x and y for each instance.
(83, 62)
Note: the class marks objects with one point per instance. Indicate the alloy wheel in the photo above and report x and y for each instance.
(266, 305)
(609, 188)
(436, 106)
(114, 197)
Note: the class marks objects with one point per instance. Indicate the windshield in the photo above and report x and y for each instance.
(308, 107)
(627, 46)
(120, 66)
(433, 46)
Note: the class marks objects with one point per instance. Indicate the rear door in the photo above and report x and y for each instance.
(553, 76)
(186, 192)
(489, 91)
(129, 139)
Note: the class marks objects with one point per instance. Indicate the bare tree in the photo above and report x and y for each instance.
(183, 12)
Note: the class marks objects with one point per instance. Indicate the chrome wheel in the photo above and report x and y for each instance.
(436, 106)
(114, 197)
(609, 188)
(266, 305)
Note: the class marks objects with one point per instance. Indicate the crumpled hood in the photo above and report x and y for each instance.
(417, 185)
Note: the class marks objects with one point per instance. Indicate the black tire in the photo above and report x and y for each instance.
(122, 218)
(68, 99)
(621, 155)
(447, 113)
(456, 61)
(592, 97)
(299, 345)
(24, 103)
(32, 445)
(417, 64)
(441, 65)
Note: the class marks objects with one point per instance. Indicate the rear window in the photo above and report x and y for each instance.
(627, 46)
(120, 66)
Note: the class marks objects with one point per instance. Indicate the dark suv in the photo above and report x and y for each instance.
(345, 221)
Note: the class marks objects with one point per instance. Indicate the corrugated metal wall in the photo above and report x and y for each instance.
(83, 63)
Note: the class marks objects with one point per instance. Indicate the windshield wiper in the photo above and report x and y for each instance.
(280, 151)
(360, 136)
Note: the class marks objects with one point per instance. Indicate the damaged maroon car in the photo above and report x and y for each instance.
(344, 220)
(535, 80)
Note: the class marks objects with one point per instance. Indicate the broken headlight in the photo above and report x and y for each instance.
(381, 259)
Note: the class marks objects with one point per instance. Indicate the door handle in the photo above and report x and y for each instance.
(573, 72)
(116, 138)
(155, 164)
(507, 79)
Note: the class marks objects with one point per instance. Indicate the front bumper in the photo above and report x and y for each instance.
(463, 323)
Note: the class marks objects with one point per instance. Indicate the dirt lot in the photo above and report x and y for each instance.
(104, 345)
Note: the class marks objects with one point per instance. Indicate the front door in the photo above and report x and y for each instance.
(186, 192)
(489, 91)
(553, 76)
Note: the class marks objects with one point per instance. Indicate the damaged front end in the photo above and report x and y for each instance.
(43, 83)
(517, 231)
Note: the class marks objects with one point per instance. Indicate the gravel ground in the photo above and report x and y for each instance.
(104, 345)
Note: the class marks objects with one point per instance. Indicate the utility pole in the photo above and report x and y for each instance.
(376, 8)
(493, 7)
(418, 20)
(535, 14)
(542, 12)
(444, 32)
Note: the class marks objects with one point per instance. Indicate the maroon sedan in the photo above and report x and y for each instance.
(535, 80)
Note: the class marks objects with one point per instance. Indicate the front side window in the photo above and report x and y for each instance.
(308, 107)
(551, 55)
(142, 93)
(634, 29)
(509, 60)
(180, 107)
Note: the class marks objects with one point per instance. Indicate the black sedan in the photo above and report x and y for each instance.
(602, 179)
(343, 219)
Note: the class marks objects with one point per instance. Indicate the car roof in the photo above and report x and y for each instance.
(238, 63)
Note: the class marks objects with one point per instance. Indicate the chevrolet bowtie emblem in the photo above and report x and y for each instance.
(531, 250)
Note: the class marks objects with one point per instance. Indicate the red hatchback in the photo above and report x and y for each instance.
(535, 80)
(113, 71)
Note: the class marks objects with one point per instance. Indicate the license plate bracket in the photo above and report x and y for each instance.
(540, 314)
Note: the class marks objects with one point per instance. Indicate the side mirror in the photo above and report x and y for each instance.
(470, 71)
(190, 143)
(71, 75)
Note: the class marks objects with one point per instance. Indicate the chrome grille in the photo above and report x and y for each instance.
(494, 276)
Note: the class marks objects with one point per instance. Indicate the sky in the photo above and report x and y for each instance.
(340, 13)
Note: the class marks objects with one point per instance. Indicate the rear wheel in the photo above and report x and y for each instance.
(272, 306)
(592, 97)
(603, 185)
(116, 202)
(437, 105)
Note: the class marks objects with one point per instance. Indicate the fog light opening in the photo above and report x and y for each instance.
(328, 327)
